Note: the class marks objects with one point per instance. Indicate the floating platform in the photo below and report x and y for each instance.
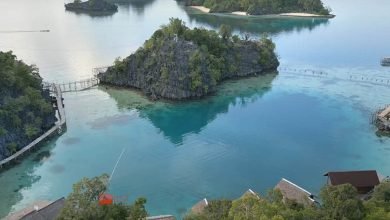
(385, 61)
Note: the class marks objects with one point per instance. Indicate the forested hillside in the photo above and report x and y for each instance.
(25, 108)
(262, 7)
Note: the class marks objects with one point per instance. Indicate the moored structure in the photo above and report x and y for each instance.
(385, 61)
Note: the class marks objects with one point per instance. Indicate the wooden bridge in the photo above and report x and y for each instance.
(58, 127)
(56, 91)
(81, 85)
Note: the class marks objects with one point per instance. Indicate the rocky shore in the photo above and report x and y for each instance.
(296, 8)
(184, 64)
(245, 14)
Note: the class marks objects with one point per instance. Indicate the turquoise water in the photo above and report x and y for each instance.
(254, 131)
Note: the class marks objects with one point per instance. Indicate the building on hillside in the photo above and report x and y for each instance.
(250, 192)
(199, 207)
(48, 212)
(364, 181)
(293, 192)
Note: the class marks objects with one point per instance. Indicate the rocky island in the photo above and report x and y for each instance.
(301, 8)
(92, 6)
(25, 107)
(180, 63)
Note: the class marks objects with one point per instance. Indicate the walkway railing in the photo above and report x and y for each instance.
(79, 85)
(56, 91)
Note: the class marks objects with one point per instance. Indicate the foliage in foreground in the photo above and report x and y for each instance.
(338, 203)
(82, 203)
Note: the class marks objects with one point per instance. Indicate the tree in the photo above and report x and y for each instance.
(119, 64)
(176, 26)
(341, 202)
(225, 31)
(82, 203)
(382, 193)
(378, 207)
(137, 210)
(246, 207)
(25, 107)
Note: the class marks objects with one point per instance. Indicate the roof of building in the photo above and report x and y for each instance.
(48, 212)
(16, 215)
(294, 192)
(161, 217)
(364, 178)
(200, 206)
(250, 192)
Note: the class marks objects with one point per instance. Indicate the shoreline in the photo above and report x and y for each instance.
(245, 14)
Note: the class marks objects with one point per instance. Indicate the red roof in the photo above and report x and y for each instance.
(358, 179)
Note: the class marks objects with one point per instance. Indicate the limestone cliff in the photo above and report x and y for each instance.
(184, 63)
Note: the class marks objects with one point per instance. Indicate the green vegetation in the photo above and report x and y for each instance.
(202, 58)
(93, 6)
(338, 203)
(25, 109)
(262, 7)
(82, 203)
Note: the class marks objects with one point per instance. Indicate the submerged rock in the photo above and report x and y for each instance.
(92, 6)
(179, 63)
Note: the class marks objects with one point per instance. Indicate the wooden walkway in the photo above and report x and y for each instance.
(79, 85)
(56, 91)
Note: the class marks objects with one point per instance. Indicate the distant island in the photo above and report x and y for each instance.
(25, 107)
(92, 6)
(300, 8)
(180, 63)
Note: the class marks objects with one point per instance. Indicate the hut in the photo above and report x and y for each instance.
(293, 192)
(250, 192)
(364, 181)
